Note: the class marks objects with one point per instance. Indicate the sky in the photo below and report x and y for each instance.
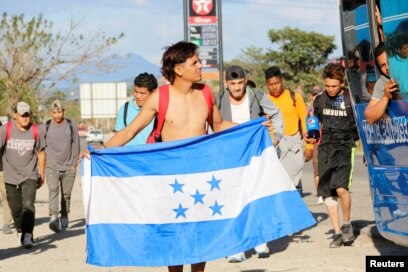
(150, 25)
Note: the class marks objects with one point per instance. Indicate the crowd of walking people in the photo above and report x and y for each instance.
(50, 152)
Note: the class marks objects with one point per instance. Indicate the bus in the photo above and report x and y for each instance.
(366, 24)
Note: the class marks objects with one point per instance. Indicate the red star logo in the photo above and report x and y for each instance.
(202, 7)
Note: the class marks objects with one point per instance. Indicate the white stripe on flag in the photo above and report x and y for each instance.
(125, 200)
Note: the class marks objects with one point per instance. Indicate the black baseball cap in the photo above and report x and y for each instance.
(234, 72)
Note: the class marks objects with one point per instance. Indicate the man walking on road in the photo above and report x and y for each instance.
(61, 139)
(21, 153)
(336, 151)
(294, 111)
(144, 84)
(239, 104)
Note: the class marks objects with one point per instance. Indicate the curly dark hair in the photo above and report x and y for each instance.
(176, 54)
(146, 80)
(334, 71)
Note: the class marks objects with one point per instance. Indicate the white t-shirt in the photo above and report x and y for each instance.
(240, 113)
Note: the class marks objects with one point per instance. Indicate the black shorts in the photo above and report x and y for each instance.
(335, 166)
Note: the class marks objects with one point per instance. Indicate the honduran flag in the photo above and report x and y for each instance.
(188, 201)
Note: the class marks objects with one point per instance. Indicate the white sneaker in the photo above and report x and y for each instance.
(320, 200)
(28, 240)
(237, 258)
(262, 250)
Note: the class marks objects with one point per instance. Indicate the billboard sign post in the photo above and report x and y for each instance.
(203, 27)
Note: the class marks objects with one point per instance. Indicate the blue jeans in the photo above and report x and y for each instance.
(59, 181)
(21, 201)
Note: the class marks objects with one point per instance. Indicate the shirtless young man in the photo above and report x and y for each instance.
(187, 111)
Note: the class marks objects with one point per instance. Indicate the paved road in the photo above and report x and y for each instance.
(305, 251)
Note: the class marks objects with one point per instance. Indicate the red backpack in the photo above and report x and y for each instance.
(155, 135)
(34, 130)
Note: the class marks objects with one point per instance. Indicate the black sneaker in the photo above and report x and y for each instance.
(54, 224)
(64, 222)
(347, 233)
(337, 240)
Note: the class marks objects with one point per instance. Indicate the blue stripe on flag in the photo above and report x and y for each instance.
(263, 220)
(224, 150)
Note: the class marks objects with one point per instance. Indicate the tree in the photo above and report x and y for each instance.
(299, 54)
(254, 61)
(33, 59)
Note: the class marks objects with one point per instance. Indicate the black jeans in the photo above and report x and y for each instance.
(21, 201)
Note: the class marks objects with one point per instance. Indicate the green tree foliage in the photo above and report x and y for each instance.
(33, 59)
(299, 54)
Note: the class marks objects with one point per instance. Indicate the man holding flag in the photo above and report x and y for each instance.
(182, 213)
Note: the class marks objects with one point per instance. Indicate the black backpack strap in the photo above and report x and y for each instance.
(220, 98)
(348, 105)
(70, 128)
(293, 96)
(255, 94)
(47, 127)
(350, 114)
(125, 113)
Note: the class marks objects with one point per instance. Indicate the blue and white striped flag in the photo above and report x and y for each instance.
(188, 201)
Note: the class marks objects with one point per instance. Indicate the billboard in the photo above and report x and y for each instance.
(102, 100)
(203, 30)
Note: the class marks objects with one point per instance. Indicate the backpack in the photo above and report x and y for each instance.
(349, 111)
(155, 135)
(48, 123)
(293, 96)
(9, 124)
(255, 94)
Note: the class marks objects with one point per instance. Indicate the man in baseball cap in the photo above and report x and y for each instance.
(23, 108)
(234, 72)
(23, 167)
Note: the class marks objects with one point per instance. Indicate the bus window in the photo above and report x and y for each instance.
(395, 27)
(357, 42)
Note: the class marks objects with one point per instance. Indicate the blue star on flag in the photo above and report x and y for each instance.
(180, 211)
(216, 208)
(215, 183)
(198, 197)
(177, 187)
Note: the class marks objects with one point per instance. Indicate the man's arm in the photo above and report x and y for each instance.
(376, 107)
(41, 167)
(144, 118)
(75, 146)
(276, 116)
(302, 112)
(218, 123)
